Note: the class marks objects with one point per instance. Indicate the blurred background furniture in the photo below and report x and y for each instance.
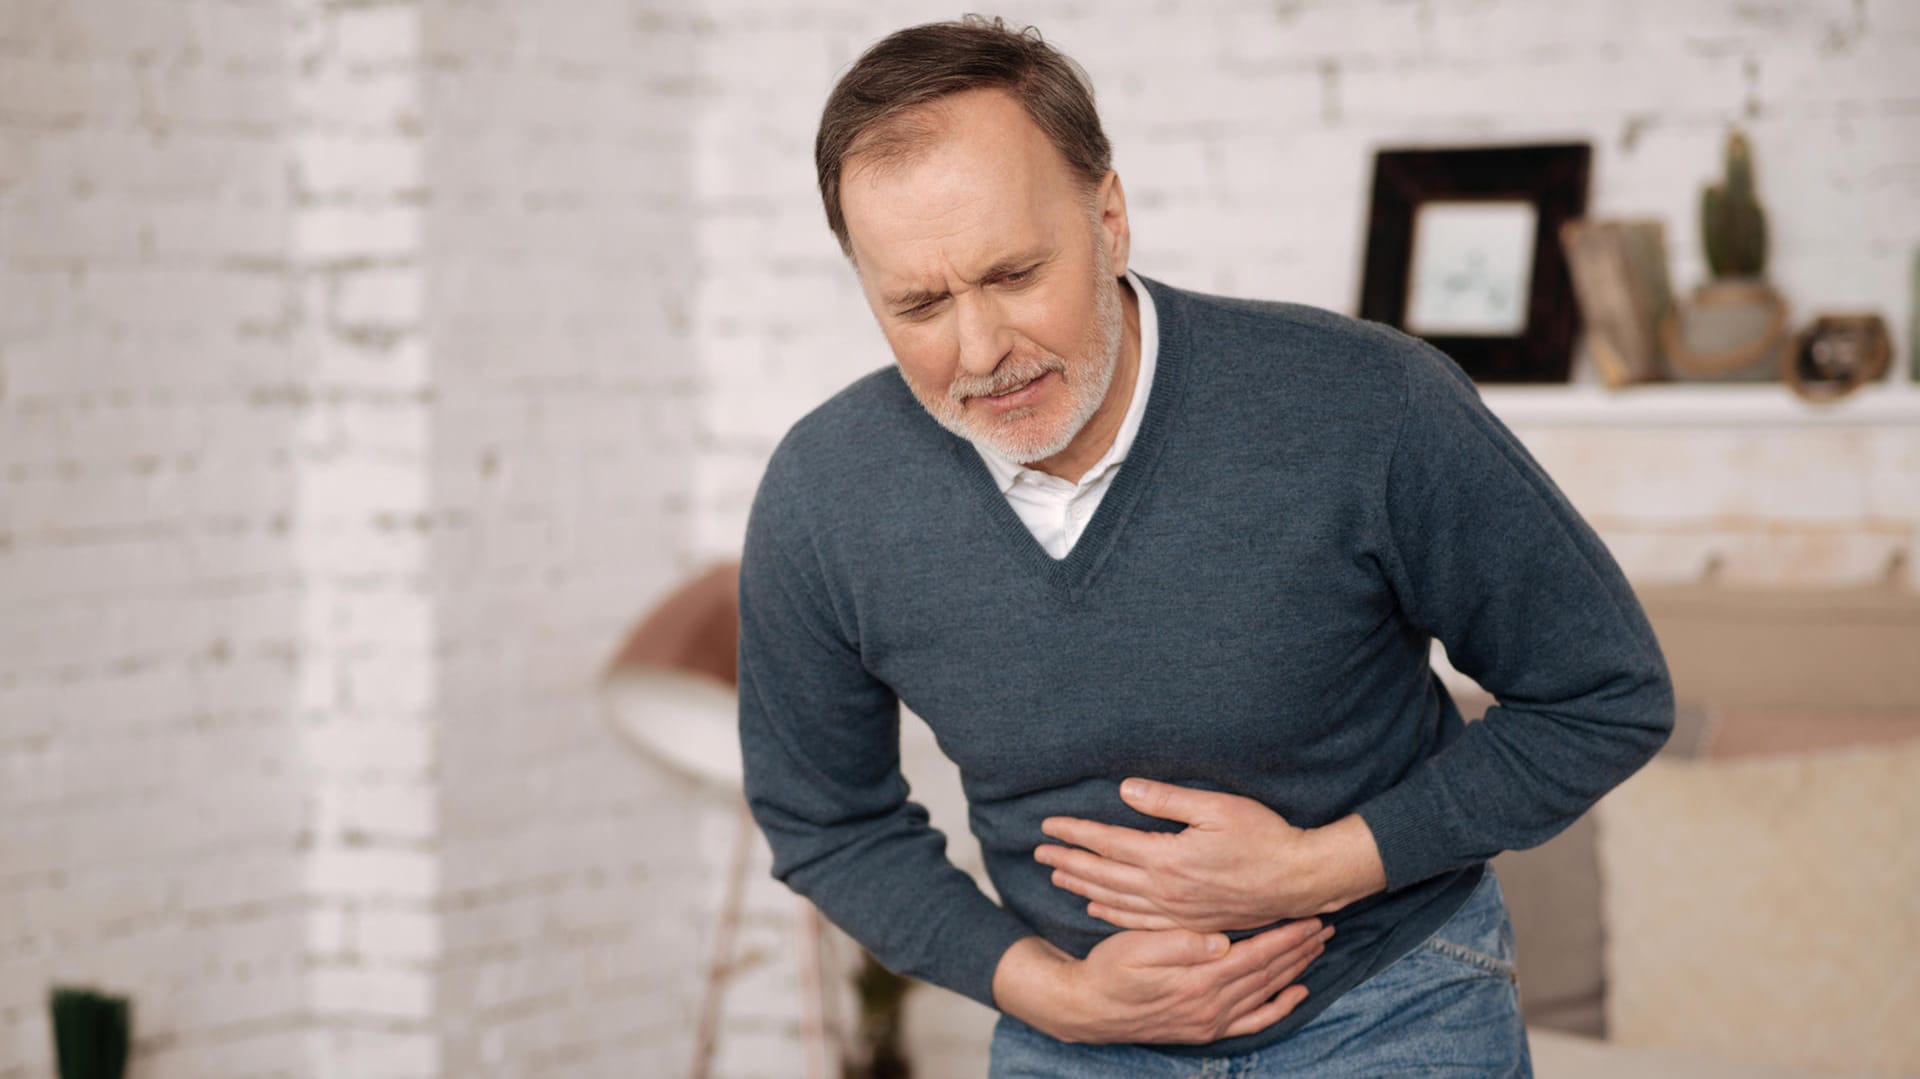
(1762, 866)
(1656, 936)
(670, 693)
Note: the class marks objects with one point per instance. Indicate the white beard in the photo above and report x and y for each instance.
(1017, 436)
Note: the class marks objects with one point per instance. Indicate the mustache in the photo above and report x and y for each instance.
(1003, 378)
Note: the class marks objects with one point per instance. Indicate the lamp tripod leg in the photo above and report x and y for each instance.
(721, 968)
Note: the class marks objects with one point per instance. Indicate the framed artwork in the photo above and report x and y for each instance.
(1463, 249)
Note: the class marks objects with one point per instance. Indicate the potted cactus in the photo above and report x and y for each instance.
(91, 1032)
(1733, 327)
(877, 1052)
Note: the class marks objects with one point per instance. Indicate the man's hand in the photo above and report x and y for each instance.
(1237, 864)
(1171, 986)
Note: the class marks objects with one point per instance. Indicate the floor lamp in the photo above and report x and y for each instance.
(670, 693)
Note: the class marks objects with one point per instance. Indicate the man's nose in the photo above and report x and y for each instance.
(985, 338)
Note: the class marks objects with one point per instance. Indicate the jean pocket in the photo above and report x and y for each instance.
(1480, 933)
(1480, 961)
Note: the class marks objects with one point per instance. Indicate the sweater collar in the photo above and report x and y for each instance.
(1071, 575)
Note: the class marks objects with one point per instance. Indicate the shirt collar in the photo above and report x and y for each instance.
(1007, 472)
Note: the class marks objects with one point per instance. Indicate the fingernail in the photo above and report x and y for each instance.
(1133, 788)
(1327, 933)
(1216, 945)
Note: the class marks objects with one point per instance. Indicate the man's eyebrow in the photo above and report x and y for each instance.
(914, 297)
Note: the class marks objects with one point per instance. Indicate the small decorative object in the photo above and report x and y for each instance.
(1913, 322)
(877, 1052)
(1734, 327)
(1836, 355)
(1620, 278)
(90, 1033)
(1463, 249)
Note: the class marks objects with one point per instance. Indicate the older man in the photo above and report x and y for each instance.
(1161, 571)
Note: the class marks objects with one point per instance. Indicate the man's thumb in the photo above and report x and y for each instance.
(1164, 800)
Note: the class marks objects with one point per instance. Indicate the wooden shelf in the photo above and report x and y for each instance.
(1696, 404)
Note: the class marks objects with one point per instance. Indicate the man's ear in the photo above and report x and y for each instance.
(1110, 199)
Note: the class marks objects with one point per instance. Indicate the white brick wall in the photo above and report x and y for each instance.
(559, 278)
(341, 398)
(150, 598)
(362, 536)
(367, 368)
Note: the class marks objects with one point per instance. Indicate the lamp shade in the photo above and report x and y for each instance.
(669, 690)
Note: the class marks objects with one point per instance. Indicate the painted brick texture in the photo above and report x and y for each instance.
(367, 368)
(151, 602)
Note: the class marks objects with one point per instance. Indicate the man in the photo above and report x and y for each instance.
(1161, 571)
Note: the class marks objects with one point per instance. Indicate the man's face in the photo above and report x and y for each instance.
(992, 276)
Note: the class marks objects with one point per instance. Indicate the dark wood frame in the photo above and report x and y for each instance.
(1553, 177)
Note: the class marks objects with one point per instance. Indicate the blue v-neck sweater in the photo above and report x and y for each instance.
(1309, 500)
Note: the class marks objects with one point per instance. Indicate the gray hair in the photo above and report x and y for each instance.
(871, 110)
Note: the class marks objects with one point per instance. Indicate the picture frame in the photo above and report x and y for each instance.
(1463, 250)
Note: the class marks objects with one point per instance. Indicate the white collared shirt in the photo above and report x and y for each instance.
(1057, 511)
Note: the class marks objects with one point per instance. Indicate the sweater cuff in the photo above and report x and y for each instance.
(1412, 831)
(979, 951)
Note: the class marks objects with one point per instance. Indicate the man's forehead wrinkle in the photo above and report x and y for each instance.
(934, 216)
(957, 267)
(951, 233)
(945, 278)
(939, 245)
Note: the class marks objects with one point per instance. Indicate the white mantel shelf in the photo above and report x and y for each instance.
(1758, 404)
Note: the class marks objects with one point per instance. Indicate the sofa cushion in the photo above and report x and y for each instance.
(1767, 908)
(1748, 730)
(1553, 896)
(1850, 649)
(1755, 670)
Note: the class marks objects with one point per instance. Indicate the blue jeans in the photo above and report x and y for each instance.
(1450, 1007)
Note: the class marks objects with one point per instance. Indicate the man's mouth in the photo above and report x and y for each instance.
(1016, 396)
